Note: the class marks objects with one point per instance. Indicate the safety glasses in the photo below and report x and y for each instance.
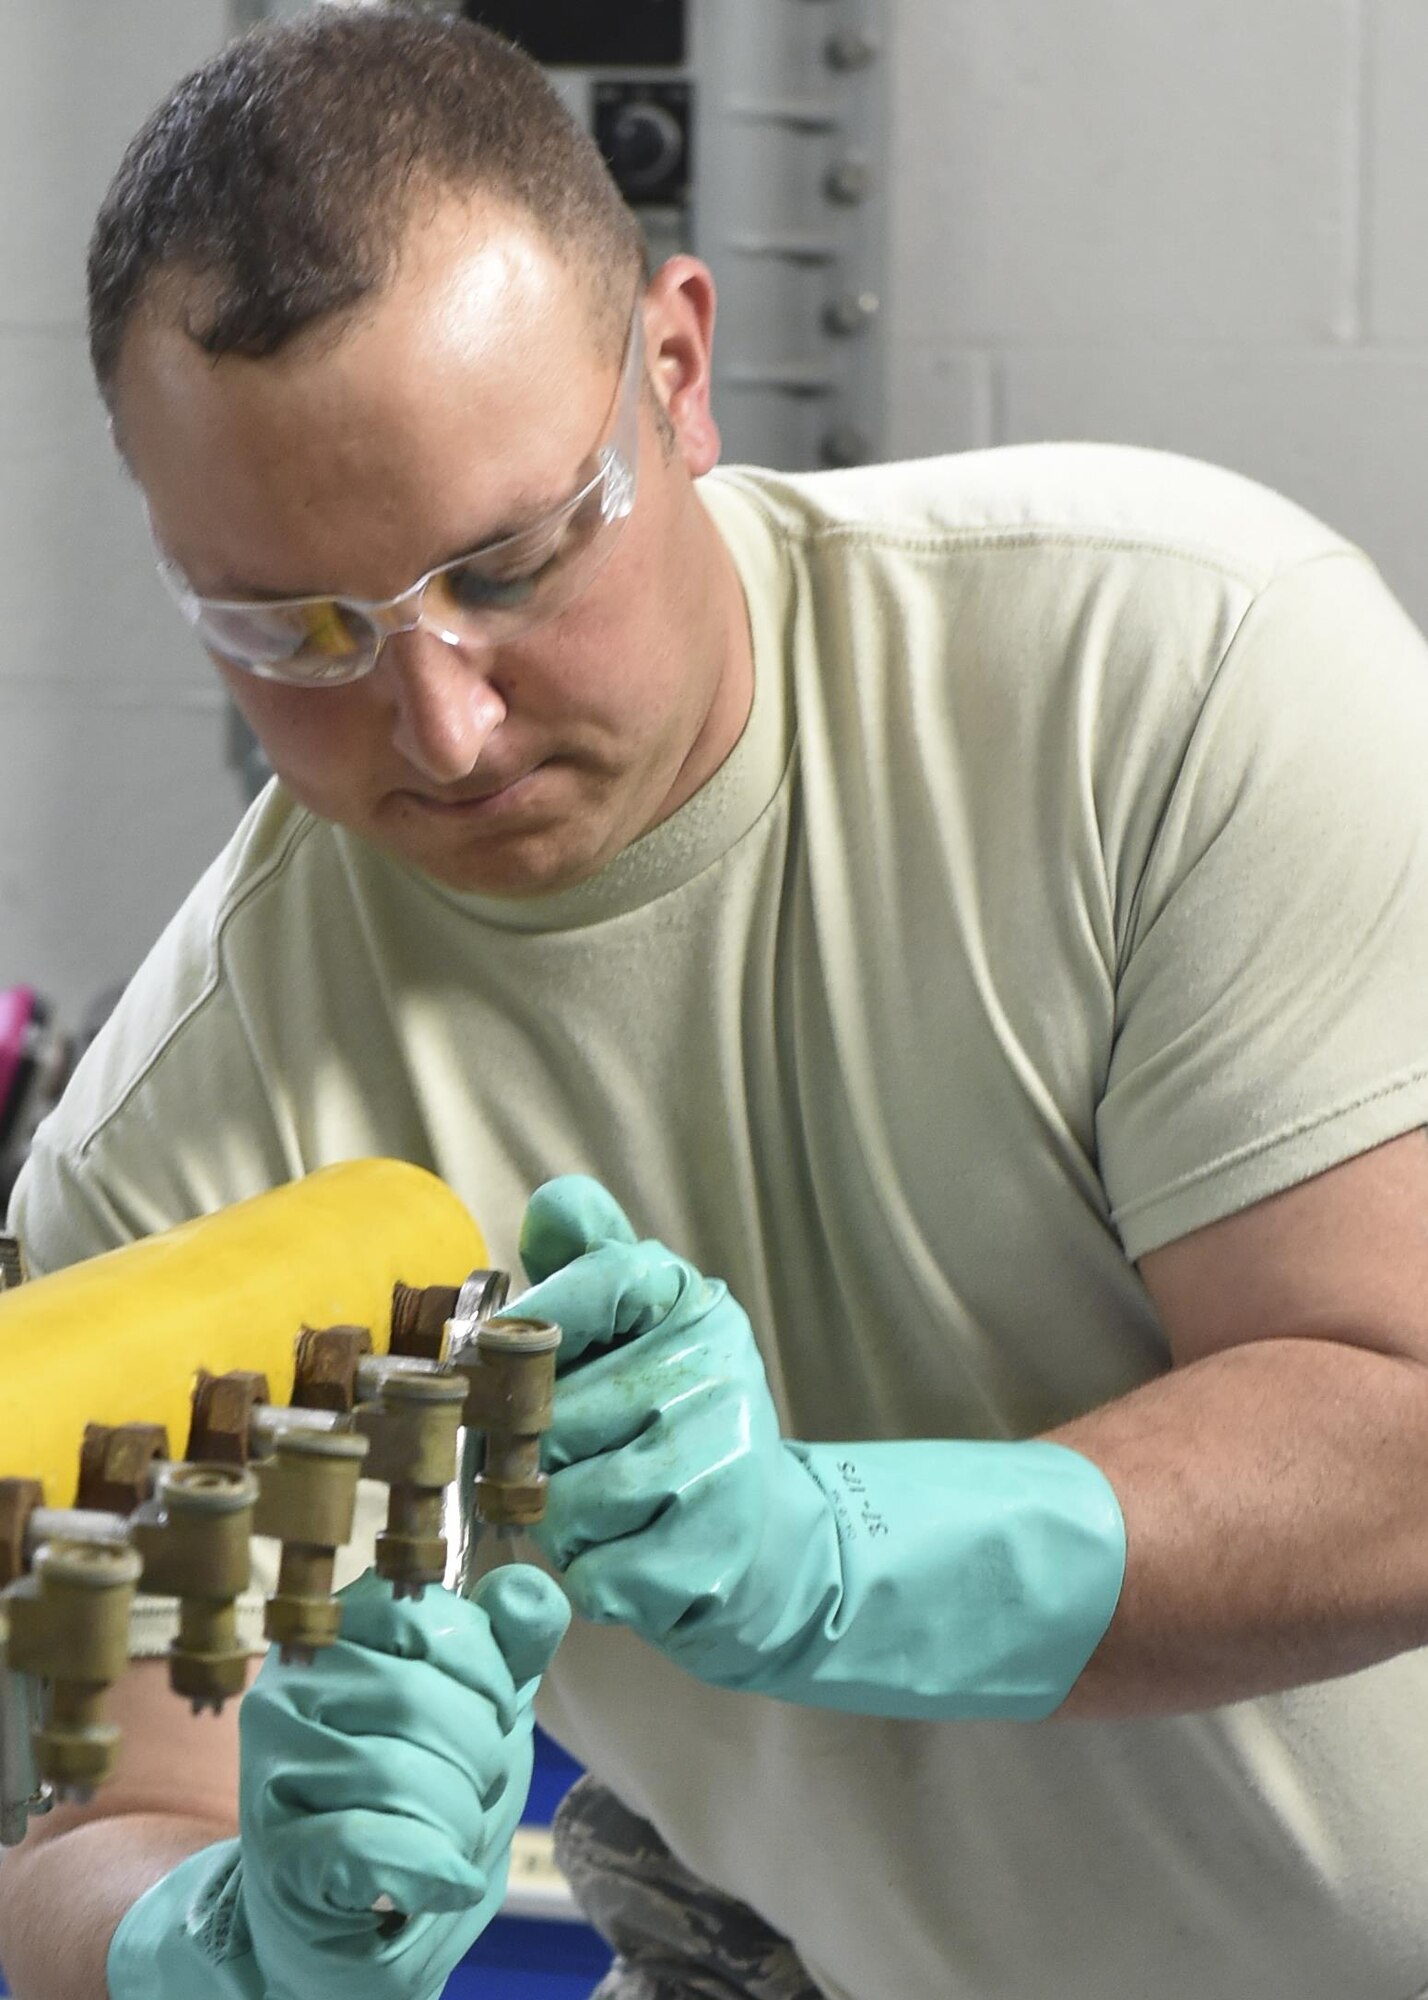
(498, 591)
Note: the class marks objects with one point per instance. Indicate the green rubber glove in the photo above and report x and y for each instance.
(938, 1579)
(395, 1766)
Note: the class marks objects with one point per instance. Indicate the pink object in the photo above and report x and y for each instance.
(17, 1010)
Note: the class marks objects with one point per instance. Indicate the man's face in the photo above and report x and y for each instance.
(461, 405)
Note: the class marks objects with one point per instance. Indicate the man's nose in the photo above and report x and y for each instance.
(445, 709)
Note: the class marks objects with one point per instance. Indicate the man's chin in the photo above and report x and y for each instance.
(513, 843)
(512, 868)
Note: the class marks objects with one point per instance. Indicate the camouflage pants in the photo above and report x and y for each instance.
(674, 1937)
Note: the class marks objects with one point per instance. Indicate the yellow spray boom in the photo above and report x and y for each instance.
(235, 1376)
(120, 1339)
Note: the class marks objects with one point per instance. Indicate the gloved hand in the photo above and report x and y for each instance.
(944, 1579)
(395, 1766)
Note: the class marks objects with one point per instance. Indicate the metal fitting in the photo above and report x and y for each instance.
(480, 1298)
(325, 1375)
(376, 1370)
(307, 1499)
(848, 181)
(850, 49)
(18, 1500)
(851, 313)
(411, 1428)
(116, 1465)
(509, 1365)
(418, 1316)
(194, 1540)
(223, 1405)
(21, 1792)
(69, 1627)
(845, 444)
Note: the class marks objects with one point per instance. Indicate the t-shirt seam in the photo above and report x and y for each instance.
(79, 1150)
(1031, 534)
(1027, 535)
(1294, 1129)
(1212, 679)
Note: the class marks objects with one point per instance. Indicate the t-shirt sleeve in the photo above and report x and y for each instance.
(1272, 996)
(62, 1215)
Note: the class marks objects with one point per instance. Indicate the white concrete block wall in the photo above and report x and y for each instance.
(1198, 224)
(1396, 209)
(114, 790)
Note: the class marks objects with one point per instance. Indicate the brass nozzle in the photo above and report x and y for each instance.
(69, 1627)
(411, 1428)
(194, 1539)
(307, 1498)
(510, 1370)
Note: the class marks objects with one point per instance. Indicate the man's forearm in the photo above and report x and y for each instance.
(1276, 1506)
(61, 1900)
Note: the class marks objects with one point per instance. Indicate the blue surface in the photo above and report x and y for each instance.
(517, 1959)
(551, 1779)
(520, 1958)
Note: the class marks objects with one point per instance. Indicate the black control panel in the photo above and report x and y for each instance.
(645, 132)
(590, 34)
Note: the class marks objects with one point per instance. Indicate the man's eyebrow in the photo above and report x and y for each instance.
(526, 513)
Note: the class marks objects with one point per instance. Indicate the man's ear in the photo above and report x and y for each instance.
(679, 348)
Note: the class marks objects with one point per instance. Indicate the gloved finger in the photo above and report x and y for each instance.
(565, 1218)
(442, 1629)
(616, 1395)
(585, 1509)
(655, 1581)
(701, 1458)
(343, 1862)
(369, 1695)
(297, 1763)
(529, 1614)
(612, 1294)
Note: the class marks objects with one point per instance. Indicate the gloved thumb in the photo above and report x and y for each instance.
(564, 1219)
(528, 1611)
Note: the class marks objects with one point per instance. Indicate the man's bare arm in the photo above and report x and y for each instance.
(1275, 1483)
(64, 1891)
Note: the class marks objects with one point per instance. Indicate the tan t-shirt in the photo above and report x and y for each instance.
(1067, 890)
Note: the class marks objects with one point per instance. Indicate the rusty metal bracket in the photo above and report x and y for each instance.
(419, 1316)
(326, 1372)
(223, 1407)
(116, 1465)
(18, 1500)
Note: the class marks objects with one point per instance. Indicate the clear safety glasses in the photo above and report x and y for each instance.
(496, 592)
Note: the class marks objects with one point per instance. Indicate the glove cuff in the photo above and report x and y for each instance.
(977, 1578)
(188, 1935)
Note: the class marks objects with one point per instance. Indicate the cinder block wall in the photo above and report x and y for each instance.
(1195, 224)
(1200, 224)
(113, 788)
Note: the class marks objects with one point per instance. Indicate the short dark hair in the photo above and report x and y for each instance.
(283, 172)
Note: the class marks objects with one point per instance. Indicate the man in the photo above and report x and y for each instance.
(977, 909)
